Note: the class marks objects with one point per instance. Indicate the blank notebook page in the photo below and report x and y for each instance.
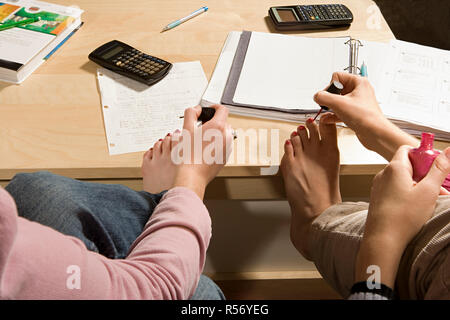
(282, 71)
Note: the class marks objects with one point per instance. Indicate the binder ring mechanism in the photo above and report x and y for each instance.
(353, 45)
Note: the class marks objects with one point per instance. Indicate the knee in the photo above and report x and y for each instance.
(32, 177)
(31, 183)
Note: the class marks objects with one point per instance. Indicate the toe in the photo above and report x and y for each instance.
(313, 131)
(148, 154)
(287, 157)
(166, 145)
(175, 138)
(328, 131)
(296, 143)
(303, 134)
(147, 161)
(157, 148)
(288, 149)
(175, 152)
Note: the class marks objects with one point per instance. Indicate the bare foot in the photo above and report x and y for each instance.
(310, 168)
(158, 169)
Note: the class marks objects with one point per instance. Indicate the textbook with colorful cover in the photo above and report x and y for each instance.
(23, 49)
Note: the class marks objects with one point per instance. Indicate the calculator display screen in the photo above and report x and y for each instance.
(113, 52)
(286, 15)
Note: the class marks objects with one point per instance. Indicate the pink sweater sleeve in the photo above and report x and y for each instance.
(165, 262)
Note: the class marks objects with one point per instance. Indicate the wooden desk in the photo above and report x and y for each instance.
(53, 121)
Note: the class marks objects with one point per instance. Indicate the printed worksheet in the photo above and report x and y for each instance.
(417, 85)
(136, 115)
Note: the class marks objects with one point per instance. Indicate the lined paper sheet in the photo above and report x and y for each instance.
(136, 115)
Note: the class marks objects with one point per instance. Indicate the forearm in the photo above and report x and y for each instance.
(387, 138)
(173, 245)
(383, 252)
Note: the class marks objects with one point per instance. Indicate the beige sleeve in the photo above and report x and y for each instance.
(424, 269)
(334, 241)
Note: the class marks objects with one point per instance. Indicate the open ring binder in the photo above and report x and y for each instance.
(353, 45)
(275, 76)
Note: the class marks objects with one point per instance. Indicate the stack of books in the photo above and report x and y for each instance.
(24, 48)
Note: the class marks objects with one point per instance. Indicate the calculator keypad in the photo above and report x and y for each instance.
(139, 63)
(323, 12)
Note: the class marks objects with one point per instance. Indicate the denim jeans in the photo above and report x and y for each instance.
(106, 217)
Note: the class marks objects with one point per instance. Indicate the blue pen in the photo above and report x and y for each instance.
(180, 21)
(363, 70)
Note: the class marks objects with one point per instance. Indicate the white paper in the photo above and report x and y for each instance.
(416, 85)
(21, 45)
(285, 71)
(136, 115)
(216, 86)
(375, 55)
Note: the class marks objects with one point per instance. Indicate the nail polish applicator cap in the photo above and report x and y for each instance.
(335, 88)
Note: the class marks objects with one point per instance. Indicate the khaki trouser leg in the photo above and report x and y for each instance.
(424, 270)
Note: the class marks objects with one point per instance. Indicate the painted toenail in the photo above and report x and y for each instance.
(295, 133)
(288, 141)
(160, 140)
(301, 127)
(310, 120)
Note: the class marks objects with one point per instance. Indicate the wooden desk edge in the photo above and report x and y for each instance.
(135, 173)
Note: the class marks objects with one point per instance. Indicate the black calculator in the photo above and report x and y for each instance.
(302, 17)
(130, 62)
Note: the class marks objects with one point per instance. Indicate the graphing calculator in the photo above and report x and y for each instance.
(130, 62)
(298, 17)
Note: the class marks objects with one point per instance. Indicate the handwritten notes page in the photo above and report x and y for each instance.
(136, 115)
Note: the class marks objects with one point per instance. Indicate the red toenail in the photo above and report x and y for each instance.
(310, 120)
(288, 141)
(301, 127)
(160, 140)
(295, 133)
(168, 135)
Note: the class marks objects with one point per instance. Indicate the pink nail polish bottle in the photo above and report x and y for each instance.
(422, 158)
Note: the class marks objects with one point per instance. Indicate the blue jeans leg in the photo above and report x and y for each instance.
(106, 217)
